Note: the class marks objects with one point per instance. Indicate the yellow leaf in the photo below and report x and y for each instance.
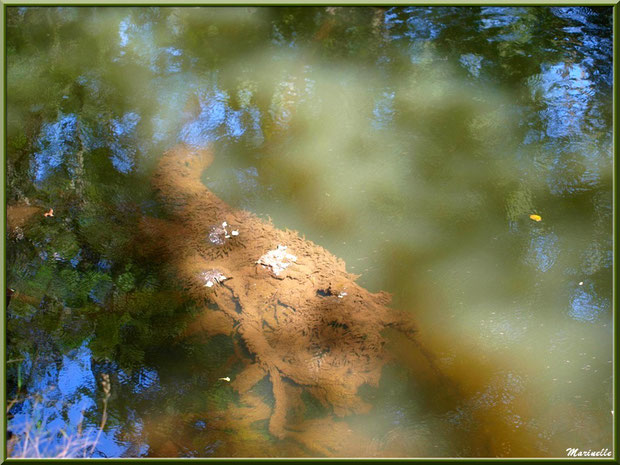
(536, 217)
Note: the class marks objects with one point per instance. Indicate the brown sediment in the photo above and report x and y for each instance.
(209, 324)
(331, 438)
(493, 410)
(17, 215)
(298, 311)
(20, 297)
(278, 417)
(248, 378)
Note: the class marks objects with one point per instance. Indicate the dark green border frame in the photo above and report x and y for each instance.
(164, 3)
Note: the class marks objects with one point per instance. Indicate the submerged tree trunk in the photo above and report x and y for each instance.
(306, 322)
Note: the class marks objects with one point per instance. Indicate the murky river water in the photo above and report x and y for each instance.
(457, 158)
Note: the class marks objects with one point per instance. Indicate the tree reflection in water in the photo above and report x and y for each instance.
(412, 142)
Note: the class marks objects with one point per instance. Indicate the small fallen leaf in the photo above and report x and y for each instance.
(536, 217)
(227, 379)
(49, 213)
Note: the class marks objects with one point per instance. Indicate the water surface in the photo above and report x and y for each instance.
(413, 142)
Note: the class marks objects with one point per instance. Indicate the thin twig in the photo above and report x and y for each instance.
(25, 447)
(104, 417)
(10, 405)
